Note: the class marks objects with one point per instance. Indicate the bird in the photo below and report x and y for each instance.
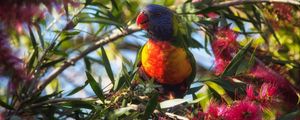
(165, 57)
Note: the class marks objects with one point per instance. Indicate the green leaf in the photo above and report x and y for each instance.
(169, 2)
(40, 36)
(87, 64)
(32, 59)
(220, 91)
(77, 89)
(47, 97)
(290, 116)
(95, 86)
(52, 63)
(114, 4)
(194, 90)
(32, 38)
(171, 103)
(125, 78)
(233, 65)
(204, 96)
(79, 104)
(5, 105)
(199, 99)
(150, 107)
(121, 111)
(195, 44)
(227, 85)
(100, 20)
(107, 66)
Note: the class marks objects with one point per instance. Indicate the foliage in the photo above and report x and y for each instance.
(76, 59)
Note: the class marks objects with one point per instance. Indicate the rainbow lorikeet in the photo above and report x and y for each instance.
(165, 57)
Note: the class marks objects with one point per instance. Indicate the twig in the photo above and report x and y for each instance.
(238, 2)
(92, 48)
(58, 100)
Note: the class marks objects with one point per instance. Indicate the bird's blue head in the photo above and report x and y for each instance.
(157, 21)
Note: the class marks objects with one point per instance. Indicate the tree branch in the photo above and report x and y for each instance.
(238, 2)
(92, 48)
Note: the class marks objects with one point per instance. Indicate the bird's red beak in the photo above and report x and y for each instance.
(142, 20)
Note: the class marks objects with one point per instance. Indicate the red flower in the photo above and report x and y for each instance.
(224, 48)
(2, 117)
(283, 11)
(267, 91)
(265, 95)
(215, 112)
(243, 110)
(267, 75)
(220, 66)
(13, 12)
(250, 91)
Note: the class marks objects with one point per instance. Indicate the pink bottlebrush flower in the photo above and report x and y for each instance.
(259, 71)
(283, 11)
(224, 48)
(2, 117)
(215, 112)
(226, 33)
(10, 63)
(251, 94)
(14, 12)
(220, 65)
(200, 116)
(265, 95)
(243, 110)
(211, 15)
(267, 91)
(268, 75)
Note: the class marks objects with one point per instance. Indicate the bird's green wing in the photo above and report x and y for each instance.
(182, 31)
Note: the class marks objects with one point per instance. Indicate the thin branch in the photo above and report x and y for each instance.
(59, 100)
(238, 2)
(72, 61)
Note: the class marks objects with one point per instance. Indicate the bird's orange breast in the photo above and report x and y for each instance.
(165, 63)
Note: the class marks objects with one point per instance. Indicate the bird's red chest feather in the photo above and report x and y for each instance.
(165, 63)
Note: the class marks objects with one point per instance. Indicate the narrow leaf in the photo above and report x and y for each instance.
(77, 89)
(52, 63)
(171, 103)
(32, 38)
(220, 91)
(100, 20)
(150, 107)
(87, 64)
(107, 66)
(95, 86)
(114, 4)
(291, 116)
(32, 59)
(40, 36)
(5, 105)
(233, 65)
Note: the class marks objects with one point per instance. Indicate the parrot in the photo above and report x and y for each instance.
(165, 57)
